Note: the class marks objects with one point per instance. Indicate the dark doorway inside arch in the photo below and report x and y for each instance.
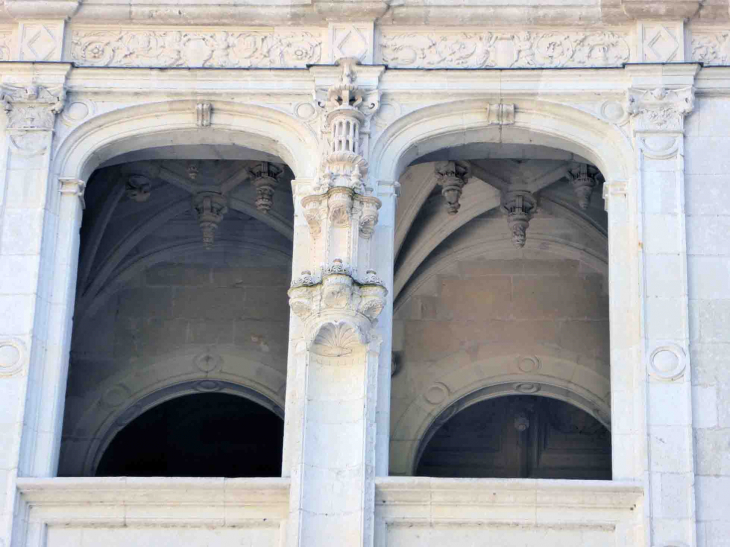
(519, 437)
(202, 435)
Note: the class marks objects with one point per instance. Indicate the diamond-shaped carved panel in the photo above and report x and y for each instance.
(660, 44)
(41, 43)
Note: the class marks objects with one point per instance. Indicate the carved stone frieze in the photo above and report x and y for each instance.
(660, 109)
(711, 48)
(175, 48)
(519, 206)
(32, 107)
(6, 43)
(209, 208)
(452, 177)
(503, 49)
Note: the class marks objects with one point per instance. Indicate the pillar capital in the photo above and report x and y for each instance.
(660, 109)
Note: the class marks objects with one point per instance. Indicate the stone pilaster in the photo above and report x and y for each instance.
(658, 111)
(335, 355)
(32, 321)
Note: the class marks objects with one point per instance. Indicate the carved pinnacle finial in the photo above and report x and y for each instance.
(583, 179)
(519, 206)
(209, 208)
(453, 176)
(266, 177)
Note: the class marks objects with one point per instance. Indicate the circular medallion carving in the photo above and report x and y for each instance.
(667, 362)
(208, 362)
(527, 387)
(436, 394)
(613, 112)
(12, 354)
(77, 111)
(305, 111)
(528, 364)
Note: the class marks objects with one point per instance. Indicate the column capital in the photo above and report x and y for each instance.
(660, 109)
(33, 106)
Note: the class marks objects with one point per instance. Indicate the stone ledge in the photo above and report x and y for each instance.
(74, 496)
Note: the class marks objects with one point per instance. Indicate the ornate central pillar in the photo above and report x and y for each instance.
(335, 342)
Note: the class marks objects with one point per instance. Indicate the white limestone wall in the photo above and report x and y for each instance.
(708, 258)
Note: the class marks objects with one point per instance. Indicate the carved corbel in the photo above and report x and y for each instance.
(519, 206)
(369, 214)
(266, 177)
(337, 295)
(209, 208)
(339, 204)
(583, 179)
(138, 188)
(314, 210)
(453, 176)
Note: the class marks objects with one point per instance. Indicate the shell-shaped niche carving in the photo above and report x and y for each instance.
(337, 339)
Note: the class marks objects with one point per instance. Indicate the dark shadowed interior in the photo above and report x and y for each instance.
(519, 436)
(202, 435)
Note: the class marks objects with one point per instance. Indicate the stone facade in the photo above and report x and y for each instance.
(365, 216)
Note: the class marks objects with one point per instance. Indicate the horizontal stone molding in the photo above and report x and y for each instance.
(401, 496)
(152, 502)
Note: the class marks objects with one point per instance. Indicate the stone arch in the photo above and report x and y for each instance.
(165, 123)
(129, 393)
(539, 122)
(549, 373)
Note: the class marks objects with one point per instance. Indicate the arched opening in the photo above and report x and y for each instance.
(501, 270)
(201, 435)
(518, 436)
(184, 266)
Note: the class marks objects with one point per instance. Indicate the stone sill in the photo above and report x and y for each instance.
(123, 501)
(523, 499)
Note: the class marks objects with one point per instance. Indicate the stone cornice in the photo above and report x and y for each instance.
(383, 12)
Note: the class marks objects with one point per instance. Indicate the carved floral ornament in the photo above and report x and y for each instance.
(519, 206)
(174, 48)
(31, 112)
(504, 49)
